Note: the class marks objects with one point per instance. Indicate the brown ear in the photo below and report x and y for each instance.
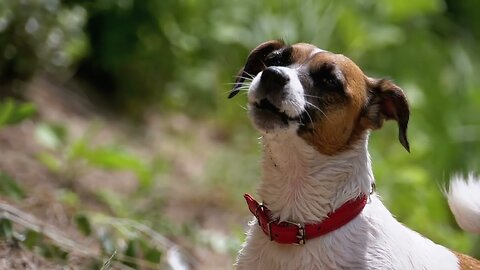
(255, 63)
(387, 101)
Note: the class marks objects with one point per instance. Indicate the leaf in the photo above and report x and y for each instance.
(83, 224)
(12, 112)
(112, 158)
(9, 187)
(114, 201)
(6, 110)
(68, 198)
(32, 239)
(53, 163)
(6, 229)
(145, 178)
(151, 254)
(22, 111)
(52, 136)
(77, 149)
(52, 251)
(132, 252)
(116, 159)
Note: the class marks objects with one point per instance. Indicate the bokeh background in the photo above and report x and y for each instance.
(120, 150)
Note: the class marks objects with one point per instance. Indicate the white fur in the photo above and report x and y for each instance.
(299, 184)
(293, 102)
(464, 201)
(315, 51)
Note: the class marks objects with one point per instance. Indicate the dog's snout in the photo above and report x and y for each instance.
(273, 79)
(276, 91)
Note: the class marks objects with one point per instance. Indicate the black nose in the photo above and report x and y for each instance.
(273, 79)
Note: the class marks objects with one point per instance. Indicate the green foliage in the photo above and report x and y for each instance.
(52, 251)
(39, 34)
(83, 224)
(129, 242)
(68, 157)
(10, 188)
(12, 112)
(115, 158)
(68, 198)
(115, 202)
(31, 239)
(6, 229)
(123, 242)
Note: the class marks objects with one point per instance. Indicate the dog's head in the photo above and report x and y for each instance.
(324, 96)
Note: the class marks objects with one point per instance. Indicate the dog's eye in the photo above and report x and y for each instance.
(326, 78)
(276, 58)
(330, 81)
(273, 59)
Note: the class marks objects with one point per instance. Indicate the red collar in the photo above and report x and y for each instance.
(287, 232)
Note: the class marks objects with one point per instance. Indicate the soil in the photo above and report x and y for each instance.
(181, 203)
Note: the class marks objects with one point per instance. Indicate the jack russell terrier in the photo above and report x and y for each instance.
(319, 208)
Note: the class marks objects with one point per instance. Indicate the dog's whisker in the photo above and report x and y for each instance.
(243, 84)
(264, 65)
(313, 105)
(245, 78)
(318, 109)
(298, 110)
(244, 91)
(312, 96)
(248, 74)
(300, 66)
(245, 87)
(310, 117)
(242, 88)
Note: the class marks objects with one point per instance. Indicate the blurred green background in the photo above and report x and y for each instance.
(139, 88)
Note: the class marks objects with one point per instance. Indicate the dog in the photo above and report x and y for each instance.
(315, 110)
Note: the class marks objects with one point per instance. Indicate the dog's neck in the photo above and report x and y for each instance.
(302, 185)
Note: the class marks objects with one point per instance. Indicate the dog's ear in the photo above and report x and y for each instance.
(255, 63)
(387, 101)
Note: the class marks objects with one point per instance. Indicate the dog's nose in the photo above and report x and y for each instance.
(273, 79)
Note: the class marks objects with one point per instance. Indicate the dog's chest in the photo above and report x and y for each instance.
(342, 249)
(260, 253)
(373, 240)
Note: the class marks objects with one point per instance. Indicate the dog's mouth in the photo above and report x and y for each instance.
(268, 116)
(266, 106)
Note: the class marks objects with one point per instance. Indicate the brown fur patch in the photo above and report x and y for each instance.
(301, 52)
(466, 262)
(341, 126)
(387, 102)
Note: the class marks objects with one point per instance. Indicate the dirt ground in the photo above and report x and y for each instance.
(184, 202)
